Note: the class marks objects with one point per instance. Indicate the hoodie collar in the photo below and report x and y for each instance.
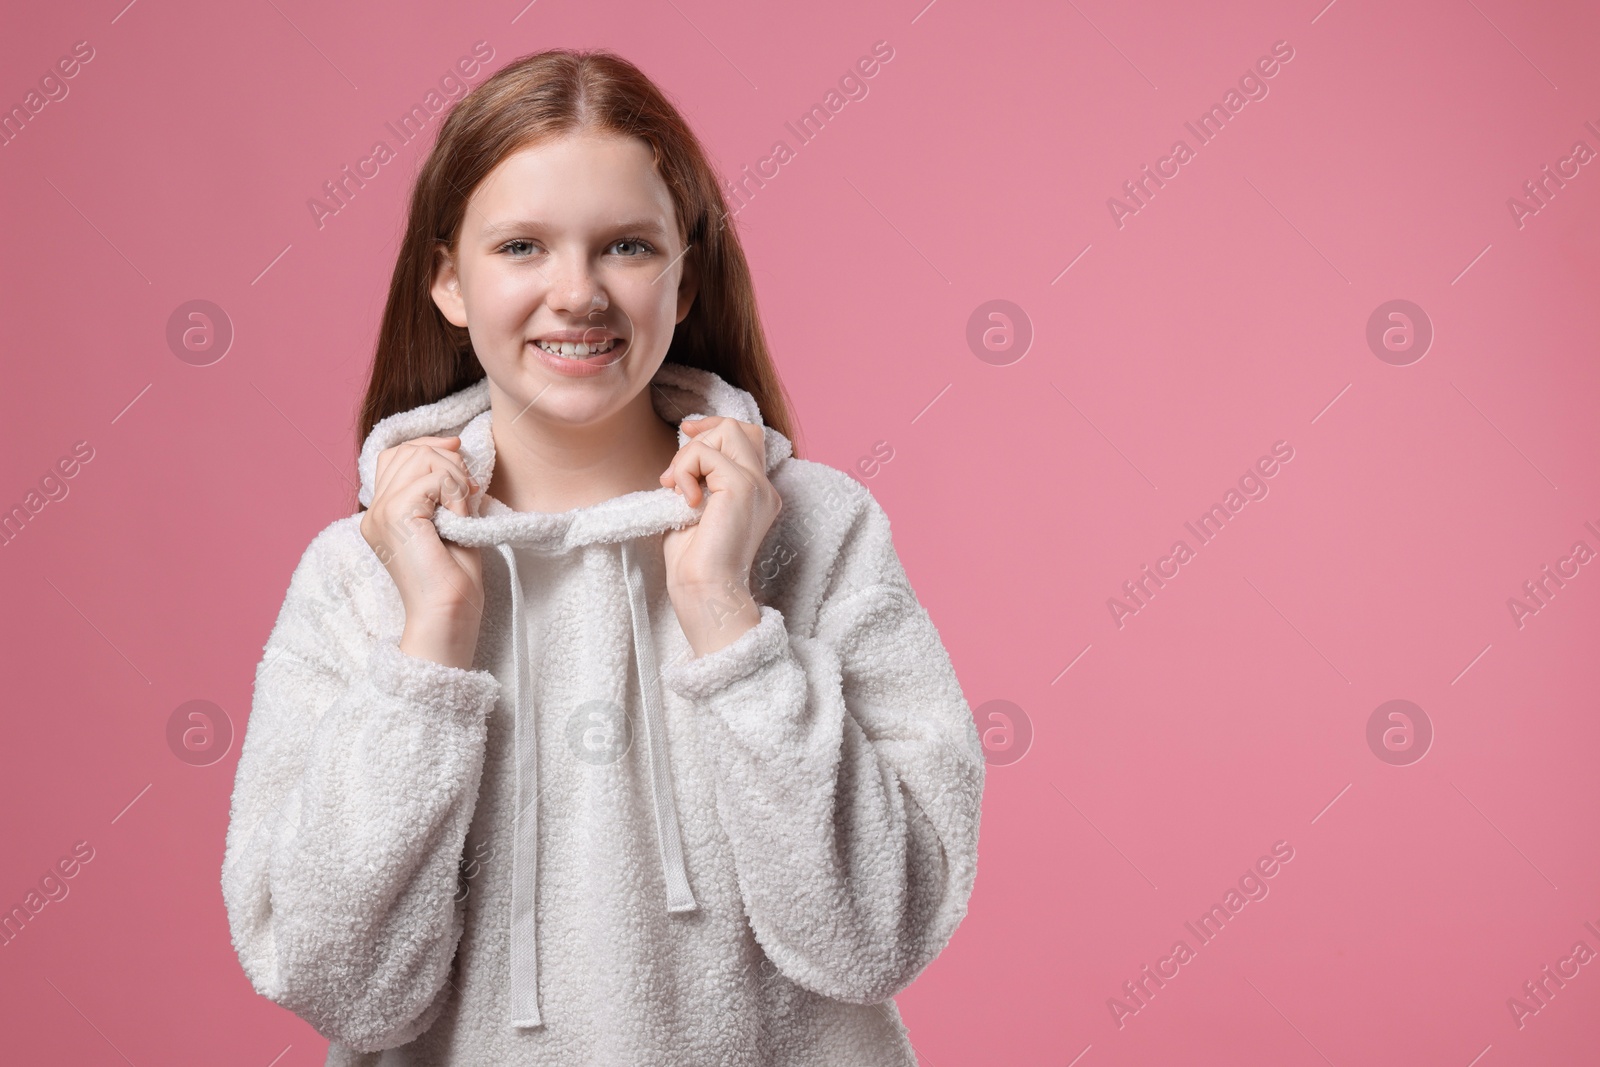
(678, 392)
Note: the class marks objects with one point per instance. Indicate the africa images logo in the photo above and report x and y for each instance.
(1252, 886)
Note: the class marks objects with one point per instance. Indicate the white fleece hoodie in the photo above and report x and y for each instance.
(567, 856)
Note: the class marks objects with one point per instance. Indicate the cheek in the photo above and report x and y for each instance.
(651, 307)
(502, 300)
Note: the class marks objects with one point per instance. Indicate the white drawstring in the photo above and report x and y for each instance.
(673, 871)
(525, 830)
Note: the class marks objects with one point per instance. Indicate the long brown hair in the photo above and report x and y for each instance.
(421, 357)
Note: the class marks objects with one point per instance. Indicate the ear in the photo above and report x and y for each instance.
(447, 287)
(688, 287)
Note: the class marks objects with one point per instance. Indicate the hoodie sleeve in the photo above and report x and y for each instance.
(850, 776)
(357, 780)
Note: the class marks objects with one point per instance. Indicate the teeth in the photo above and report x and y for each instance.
(580, 350)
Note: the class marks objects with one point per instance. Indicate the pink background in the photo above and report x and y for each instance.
(1228, 314)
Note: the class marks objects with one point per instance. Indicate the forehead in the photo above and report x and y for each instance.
(579, 180)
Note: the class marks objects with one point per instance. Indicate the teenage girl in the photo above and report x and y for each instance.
(608, 730)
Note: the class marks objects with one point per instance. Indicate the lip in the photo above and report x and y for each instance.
(587, 367)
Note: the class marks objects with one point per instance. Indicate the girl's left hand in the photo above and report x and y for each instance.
(702, 560)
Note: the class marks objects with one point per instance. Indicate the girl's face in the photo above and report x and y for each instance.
(567, 246)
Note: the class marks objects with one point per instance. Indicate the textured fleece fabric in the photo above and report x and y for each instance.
(569, 855)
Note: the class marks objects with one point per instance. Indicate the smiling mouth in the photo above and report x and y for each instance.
(578, 349)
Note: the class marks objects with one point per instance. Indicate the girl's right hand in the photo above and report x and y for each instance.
(440, 582)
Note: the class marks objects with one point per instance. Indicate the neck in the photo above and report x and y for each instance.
(550, 467)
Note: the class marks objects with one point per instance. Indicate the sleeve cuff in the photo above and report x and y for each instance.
(443, 690)
(755, 648)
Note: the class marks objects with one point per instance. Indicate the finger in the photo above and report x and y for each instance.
(395, 454)
(689, 465)
(697, 460)
(744, 441)
(452, 484)
(456, 490)
(755, 434)
(419, 498)
(735, 439)
(459, 483)
(420, 483)
(455, 483)
(419, 458)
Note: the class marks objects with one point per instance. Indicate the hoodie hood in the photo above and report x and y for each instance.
(679, 392)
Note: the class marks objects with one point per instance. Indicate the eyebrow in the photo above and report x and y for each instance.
(509, 226)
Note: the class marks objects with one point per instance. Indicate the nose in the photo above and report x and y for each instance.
(574, 288)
